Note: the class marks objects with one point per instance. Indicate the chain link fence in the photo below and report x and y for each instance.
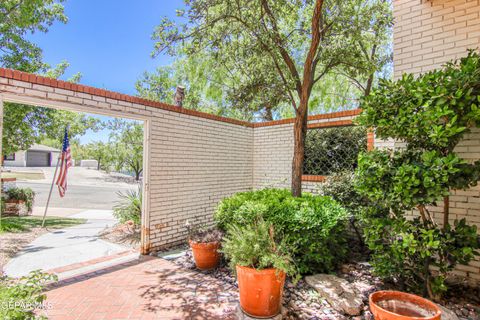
(332, 150)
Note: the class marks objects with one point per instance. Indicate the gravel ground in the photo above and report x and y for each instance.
(303, 302)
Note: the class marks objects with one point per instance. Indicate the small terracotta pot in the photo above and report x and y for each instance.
(206, 255)
(260, 291)
(396, 305)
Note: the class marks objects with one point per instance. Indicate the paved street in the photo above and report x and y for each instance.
(85, 197)
(87, 188)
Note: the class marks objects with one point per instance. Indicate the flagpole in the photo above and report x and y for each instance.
(50, 194)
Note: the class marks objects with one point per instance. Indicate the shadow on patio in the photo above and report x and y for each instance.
(151, 288)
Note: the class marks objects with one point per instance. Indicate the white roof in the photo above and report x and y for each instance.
(41, 147)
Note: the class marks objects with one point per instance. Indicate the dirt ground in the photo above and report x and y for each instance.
(12, 242)
(123, 234)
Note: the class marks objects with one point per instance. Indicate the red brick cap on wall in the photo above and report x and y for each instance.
(36, 79)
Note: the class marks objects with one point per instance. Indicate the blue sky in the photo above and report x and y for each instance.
(108, 41)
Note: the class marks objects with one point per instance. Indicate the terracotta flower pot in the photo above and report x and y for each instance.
(260, 291)
(206, 255)
(396, 305)
(15, 201)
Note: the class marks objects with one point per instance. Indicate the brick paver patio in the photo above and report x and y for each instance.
(151, 288)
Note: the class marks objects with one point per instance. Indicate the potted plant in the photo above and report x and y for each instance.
(396, 305)
(16, 197)
(205, 243)
(261, 263)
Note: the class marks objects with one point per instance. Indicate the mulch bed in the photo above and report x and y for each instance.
(303, 302)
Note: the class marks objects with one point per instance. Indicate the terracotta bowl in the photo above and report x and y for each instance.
(396, 305)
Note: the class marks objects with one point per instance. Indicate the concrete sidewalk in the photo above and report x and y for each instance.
(66, 246)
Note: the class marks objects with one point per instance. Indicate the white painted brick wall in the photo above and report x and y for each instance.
(430, 33)
(194, 162)
(273, 154)
(272, 158)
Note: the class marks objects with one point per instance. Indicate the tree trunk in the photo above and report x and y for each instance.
(446, 211)
(299, 133)
(268, 116)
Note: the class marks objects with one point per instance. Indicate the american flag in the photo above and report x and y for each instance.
(66, 162)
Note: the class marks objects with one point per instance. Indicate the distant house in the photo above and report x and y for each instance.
(37, 156)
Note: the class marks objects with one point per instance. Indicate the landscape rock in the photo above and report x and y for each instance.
(301, 301)
(341, 295)
(448, 314)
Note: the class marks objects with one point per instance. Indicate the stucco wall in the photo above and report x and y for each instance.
(20, 160)
(426, 35)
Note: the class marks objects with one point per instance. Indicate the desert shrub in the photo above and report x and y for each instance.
(203, 233)
(256, 245)
(314, 226)
(25, 194)
(129, 206)
(20, 297)
(430, 114)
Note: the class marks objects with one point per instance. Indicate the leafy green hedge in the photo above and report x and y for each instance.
(313, 226)
(20, 297)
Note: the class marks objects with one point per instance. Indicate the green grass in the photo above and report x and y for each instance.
(25, 224)
(24, 175)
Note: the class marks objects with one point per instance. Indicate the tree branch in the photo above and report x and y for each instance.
(308, 71)
(283, 52)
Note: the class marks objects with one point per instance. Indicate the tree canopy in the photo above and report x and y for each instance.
(17, 19)
(227, 70)
(287, 46)
(24, 125)
(122, 152)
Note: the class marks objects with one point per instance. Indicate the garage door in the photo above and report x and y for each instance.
(38, 159)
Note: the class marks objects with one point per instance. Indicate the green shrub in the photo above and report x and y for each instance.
(129, 207)
(20, 297)
(255, 245)
(404, 250)
(333, 150)
(341, 188)
(313, 226)
(430, 114)
(25, 194)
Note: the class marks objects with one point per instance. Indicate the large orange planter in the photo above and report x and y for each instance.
(396, 305)
(260, 291)
(206, 255)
